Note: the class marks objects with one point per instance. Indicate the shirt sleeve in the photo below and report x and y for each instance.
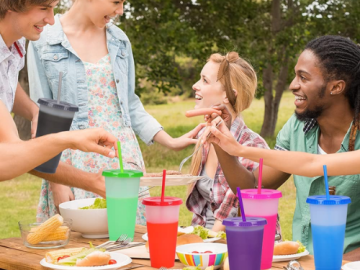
(228, 207)
(144, 125)
(283, 137)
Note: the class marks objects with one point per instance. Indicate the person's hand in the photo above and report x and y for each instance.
(225, 115)
(99, 184)
(222, 136)
(186, 139)
(34, 123)
(61, 194)
(92, 140)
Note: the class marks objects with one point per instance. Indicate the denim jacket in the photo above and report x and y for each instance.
(53, 54)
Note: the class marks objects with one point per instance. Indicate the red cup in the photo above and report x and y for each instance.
(162, 220)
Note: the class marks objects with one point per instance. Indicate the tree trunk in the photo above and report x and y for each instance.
(268, 98)
(23, 125)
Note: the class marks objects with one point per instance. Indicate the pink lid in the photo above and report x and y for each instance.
(156, 201)
(265, 194)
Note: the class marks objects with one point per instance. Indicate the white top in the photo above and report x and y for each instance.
(320, 151)
(11, 62)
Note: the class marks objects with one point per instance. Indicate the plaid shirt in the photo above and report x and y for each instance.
(224, 202)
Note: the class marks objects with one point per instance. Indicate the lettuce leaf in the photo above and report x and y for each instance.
(301, 248)
(201, 231)
(99, 203)
(221, 235)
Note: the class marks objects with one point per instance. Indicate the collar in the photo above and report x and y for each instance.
(309, 125)
(17, 48)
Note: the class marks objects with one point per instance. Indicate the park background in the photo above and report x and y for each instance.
(171, 40)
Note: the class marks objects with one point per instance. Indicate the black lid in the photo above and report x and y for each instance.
(52, 103)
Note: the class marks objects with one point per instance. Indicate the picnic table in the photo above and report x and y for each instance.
(14, 255)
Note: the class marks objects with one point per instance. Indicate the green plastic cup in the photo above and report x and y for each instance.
(122, 191)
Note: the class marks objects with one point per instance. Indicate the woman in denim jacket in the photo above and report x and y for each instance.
(96, 60)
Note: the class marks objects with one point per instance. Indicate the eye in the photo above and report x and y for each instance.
(302, 78)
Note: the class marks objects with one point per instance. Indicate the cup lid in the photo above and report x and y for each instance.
(123, 174)
(265, 194)
(62, 105)
(250, 221)
(156, 201)
(334, 200)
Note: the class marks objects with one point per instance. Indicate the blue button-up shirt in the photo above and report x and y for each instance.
(53, 54)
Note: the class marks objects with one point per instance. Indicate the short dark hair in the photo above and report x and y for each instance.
(20, 5)
(339, 59)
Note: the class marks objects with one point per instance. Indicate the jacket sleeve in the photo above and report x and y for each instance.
(38, 84)
(144, 125)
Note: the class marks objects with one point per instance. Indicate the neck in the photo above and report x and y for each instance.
(76, 20)
(336, 120)
(7, 33)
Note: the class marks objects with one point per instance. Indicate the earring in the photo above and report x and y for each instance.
(330, 93)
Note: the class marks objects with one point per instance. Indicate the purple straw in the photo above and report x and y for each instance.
(241, 204)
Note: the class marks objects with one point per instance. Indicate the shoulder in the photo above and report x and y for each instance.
(116, 33)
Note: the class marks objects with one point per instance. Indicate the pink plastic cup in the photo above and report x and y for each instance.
(263, 205)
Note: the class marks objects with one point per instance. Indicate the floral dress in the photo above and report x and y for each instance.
(104, 111)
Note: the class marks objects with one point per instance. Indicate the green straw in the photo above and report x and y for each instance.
(120, 156)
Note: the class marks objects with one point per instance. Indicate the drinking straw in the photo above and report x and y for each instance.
(120, 156)
(326, 183)
(241, 204)
(163, 186)
(260, 175)
(59, 87)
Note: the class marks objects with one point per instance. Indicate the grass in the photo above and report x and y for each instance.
(20, 196)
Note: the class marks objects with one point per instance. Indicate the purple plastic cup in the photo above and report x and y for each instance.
(244, 241)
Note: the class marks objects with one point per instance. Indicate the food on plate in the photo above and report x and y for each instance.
(202, 252)
(226, 264)
(206, 233)
(183, 240)
(79, 257)
(202, 111)
(60, 233)
(45, 229)
(99, 203)
(288, 248)
(168, 172)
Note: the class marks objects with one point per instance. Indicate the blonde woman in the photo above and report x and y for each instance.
(231, 81)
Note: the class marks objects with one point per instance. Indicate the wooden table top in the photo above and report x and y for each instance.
(14, 255)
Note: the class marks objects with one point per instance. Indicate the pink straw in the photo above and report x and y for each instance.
(163, 186)
(241, 204)
(260, 175)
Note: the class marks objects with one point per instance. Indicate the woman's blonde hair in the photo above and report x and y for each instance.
(235, 74)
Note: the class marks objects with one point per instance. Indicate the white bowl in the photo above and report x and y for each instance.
(351, 266)
(91, 223)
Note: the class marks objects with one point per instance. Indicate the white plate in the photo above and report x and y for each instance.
(121, 260)
(171, 180)
(285, 258)
(351, 266)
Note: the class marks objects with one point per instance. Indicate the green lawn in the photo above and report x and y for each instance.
(20, 196)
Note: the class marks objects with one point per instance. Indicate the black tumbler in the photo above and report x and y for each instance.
(53, 117)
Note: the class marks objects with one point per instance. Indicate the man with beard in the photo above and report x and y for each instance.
(326, 120)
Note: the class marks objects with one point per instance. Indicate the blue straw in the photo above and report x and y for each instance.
(241, 204)
(326, 183)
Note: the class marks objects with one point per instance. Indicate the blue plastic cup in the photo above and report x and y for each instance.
(328, 221)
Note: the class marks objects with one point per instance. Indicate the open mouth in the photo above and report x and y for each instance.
(198, 97)
(39, 28)
(299, 100)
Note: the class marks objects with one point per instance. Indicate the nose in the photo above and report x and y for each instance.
(120, 10)
(49, 19)
(294, 85)
(195, 87)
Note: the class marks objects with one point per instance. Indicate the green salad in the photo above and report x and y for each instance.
(99, 203)
(206, 233)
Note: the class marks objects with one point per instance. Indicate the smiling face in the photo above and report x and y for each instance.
(209, 91)
(101, 12)
(30, 23)
(309, 87)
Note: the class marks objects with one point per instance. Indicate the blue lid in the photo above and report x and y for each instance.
(334, 200)
(250, 221)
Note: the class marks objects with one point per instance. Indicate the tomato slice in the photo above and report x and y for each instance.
(197, 252)
(112, 261)
(208, 251)
(63, 257)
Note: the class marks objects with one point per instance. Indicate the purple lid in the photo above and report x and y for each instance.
(265, 194)
(156, 201)
(250, 221)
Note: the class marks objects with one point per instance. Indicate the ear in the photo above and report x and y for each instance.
(226, 100)
(337, 87)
